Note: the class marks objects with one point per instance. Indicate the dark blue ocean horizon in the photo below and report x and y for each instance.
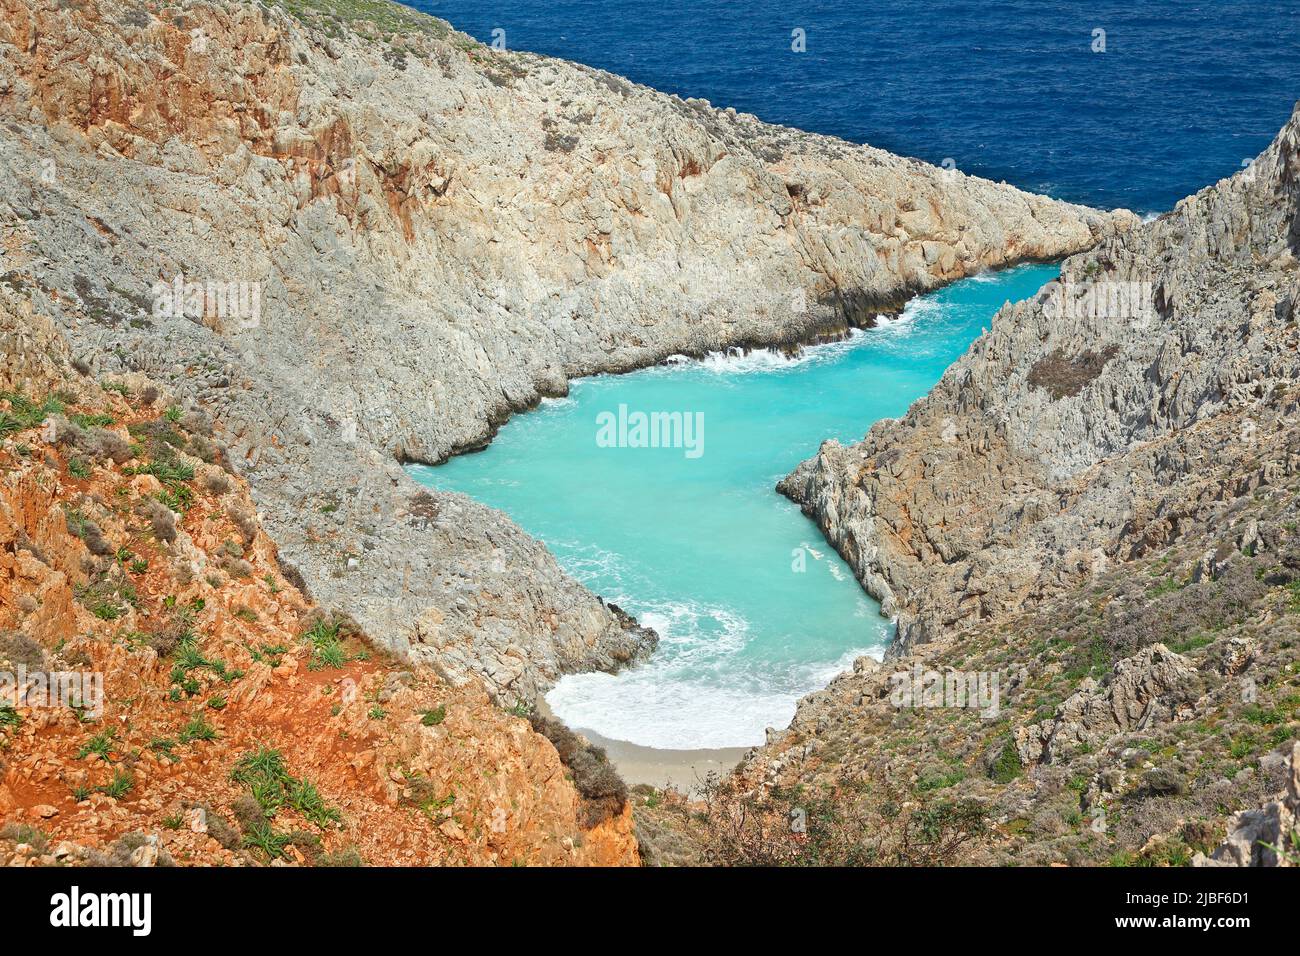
(1184, 93)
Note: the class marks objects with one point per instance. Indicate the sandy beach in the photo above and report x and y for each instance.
(683, 769)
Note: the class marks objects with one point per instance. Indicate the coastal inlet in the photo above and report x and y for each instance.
(753, 609)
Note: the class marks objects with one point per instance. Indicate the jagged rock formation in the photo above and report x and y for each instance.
(1267, 836)
(1094, 512)
(1150, 687)
(1068, 438)
(437, 234)
(1128, 714)
(129, 551)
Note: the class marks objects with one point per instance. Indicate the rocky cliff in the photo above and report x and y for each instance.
(353, 236)
(224, 719)
(1088, 533)
(1124, 407)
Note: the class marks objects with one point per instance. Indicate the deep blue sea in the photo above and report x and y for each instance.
(1007, 89)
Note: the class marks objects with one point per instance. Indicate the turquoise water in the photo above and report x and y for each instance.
(753, 609)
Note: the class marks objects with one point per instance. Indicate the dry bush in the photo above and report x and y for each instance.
(213, 480)
(88, 531)
(236, 567)
(209, 450)
(245, 520)
(1063, 375)
(166, 638)
(851, 824)
(161, 520)
(603, 792)
(119, 852)
(219, 829)
(93, 443)
(19, 649)
(348, 856)
(1185, 611)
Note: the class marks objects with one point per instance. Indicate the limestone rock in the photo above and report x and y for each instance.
(1147, 689)
(396, 244)
(1119, 409)
(1266, 836)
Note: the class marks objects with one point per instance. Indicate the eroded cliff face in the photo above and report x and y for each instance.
(437, 234)
(1071, 437)
(234, 722)
(1087, 532)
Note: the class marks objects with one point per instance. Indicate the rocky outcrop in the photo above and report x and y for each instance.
(1134, 718)
(1267, 836)
(1095, 513)
(148, 590)
(1096, 423)
(425, 235)
(1148, 688)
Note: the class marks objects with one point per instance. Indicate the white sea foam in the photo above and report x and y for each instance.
(699, 690)
(737, 361)
(699, 636)
(915, 309)
(834, 567)
(665, 707)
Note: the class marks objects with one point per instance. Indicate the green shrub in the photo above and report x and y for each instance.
(1008, 766)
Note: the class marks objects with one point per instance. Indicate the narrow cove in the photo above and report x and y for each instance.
(656, 490)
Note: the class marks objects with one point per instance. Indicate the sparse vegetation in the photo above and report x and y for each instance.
(325, 638)
(373, 19)
(197, 729)
(603, 791)
(848, 825)
(101, 745)
(121, 784)
(1063, 376)
(24, 412)
(25, 833)
(10, 719)
(272, 786)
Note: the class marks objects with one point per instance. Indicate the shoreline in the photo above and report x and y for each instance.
(659, 768)
(683, 769)
(687, 769)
